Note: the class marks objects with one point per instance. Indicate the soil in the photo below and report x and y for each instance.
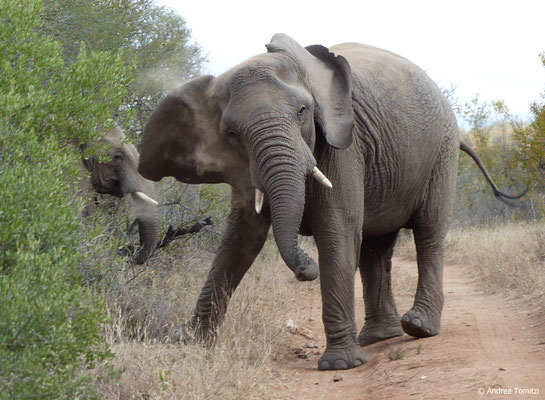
(489, 347)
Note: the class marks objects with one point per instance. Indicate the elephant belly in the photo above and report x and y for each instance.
(387, 211)
(379, 223)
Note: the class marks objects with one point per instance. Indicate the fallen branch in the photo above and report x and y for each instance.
(170, 235)
(173, 234)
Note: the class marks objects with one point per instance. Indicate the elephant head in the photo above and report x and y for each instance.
(257, 127)
(116, 174)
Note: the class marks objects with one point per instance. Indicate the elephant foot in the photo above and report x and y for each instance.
(194, 332)
(373, 332)
(342, 358)
(421, 323)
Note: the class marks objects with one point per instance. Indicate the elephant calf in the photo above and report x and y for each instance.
(348, 144)
(118, 176)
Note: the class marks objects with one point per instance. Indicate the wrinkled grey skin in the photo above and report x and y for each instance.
(379, 129)
(119, 177)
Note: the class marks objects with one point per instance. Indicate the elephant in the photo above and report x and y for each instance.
(118, 176)
(348, 144)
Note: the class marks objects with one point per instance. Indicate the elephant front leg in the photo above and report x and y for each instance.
(241, 242)
(339, 252)
(382, 320)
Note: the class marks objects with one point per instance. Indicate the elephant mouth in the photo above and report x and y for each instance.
(259, 196)
(112, 187)
(116, 188)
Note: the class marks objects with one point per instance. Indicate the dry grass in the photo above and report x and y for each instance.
(235, 368)
(507, 258)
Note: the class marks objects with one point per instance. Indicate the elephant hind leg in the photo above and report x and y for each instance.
(424, 318)
(382, 320)
(430, 225)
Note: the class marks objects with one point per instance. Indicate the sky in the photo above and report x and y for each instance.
(489, 48)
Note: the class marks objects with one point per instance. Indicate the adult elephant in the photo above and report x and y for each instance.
(115, 173)
(381, 141)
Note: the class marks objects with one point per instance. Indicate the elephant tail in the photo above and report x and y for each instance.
(500, 195)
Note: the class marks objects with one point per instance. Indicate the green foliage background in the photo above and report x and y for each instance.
(155, 38)
(530, 139)
(50, 330)
(491, 130)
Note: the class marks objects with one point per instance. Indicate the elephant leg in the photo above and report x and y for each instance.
(430, 225)
(338, 248)
(424, 318)
(382, 320)
(241, 242)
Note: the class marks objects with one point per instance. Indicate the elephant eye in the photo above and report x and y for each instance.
(301, 112)
(233, 133)
(117, 157)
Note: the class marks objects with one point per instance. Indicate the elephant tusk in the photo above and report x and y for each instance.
(259, 196)
(320, 177)
(145, 197)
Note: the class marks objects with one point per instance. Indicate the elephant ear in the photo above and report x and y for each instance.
(181, 137)
(115, 135)
(330, 80)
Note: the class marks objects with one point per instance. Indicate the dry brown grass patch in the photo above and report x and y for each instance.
(508, 258)
(235, 368)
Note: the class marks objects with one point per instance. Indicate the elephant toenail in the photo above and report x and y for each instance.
(357, 363)
(405, 318)
(324, 365)
(417, 322)
(341, 364)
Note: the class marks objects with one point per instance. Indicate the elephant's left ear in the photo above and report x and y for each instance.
(330, 79)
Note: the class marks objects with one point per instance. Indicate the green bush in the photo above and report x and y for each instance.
(50, 330)
(491, 136)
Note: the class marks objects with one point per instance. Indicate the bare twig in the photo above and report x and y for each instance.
(172, 234)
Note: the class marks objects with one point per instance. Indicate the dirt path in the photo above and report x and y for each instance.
(489, 347)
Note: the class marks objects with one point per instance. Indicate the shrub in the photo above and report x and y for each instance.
(50, 330)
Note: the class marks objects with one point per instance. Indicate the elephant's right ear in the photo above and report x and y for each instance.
(115, 134)
(180, 138)
(330, 80)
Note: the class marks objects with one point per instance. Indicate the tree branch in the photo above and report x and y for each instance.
(173, 234)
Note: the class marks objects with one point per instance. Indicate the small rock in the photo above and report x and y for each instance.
(423, 377)
(291, 326)
(306, 333)
(301, 353)
(337, 377)
(311, 345)
(502, 369)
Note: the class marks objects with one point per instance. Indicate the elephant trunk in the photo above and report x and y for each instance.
(148, 231)
(148, 224)
(283, 174)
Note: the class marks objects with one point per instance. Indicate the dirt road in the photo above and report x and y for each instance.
(489, 347)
